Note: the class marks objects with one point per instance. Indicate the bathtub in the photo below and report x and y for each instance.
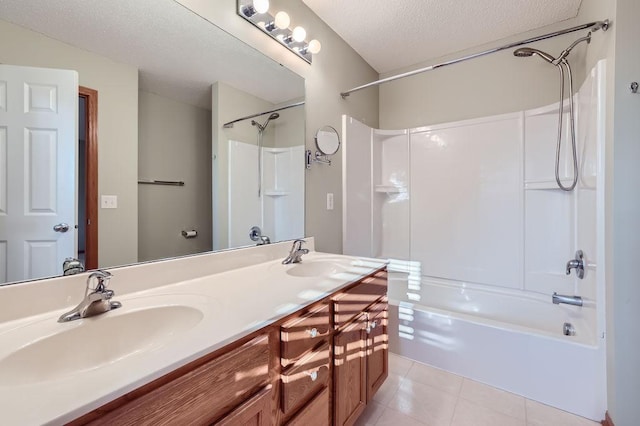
(509, 340)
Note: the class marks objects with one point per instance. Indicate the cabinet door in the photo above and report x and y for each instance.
(254, 412)
(377, 349)
(350, 372)
(315, 413)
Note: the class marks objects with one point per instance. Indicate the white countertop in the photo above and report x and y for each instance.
(234, 303)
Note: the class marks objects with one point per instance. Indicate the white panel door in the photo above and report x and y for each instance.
(38, 176)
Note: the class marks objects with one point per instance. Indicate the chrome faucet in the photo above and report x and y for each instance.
(577, 264)
(255, 233)
(568, 300)
(96, 301)
(295, 255)
(72, 266)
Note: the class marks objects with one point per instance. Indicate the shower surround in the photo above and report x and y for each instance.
(478, 234)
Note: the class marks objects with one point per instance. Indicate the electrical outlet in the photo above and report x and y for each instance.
(109, 201)
(329, 201)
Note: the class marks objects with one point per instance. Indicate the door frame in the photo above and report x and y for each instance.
(91, 179)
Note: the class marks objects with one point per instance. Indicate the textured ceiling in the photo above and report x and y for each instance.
(391, 34)
(178, 53)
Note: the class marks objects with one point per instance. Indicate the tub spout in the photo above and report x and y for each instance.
(568, 300)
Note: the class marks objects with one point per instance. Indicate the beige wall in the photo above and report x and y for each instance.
(336, 68)
(494, 84)
(174, 144)
(289, 128)
(117, 86)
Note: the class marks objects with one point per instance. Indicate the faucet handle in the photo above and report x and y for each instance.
(103, 278)
(298, 243)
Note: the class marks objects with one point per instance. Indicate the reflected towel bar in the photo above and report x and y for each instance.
(161, 182)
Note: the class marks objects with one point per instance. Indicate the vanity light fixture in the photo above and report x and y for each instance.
(257, 12)
(282, 20)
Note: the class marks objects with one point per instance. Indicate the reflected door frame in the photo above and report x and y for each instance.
(91, 175)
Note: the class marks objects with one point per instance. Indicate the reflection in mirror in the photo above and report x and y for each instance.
(165, 81)
(327, 140)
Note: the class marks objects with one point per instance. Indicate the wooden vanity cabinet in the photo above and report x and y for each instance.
(315, 413)
(377, 336)
(317, 367)
(256, 411)
(350, 371)
(360, 347)
(201, 396)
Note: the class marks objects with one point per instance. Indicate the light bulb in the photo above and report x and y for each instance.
(314, 46)
(282, 20)
(299, 34)
(261, 6)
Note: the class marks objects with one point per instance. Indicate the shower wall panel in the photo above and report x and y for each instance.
(245, 209)
(357, 188)
(283, 198)
(390, 169)
(279, 209)
(466, 201)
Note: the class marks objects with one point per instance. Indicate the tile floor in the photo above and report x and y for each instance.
(415, 394)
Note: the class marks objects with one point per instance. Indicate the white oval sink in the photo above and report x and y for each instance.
(316, 268)
(90, 343)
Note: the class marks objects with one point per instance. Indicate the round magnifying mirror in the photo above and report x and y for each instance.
(327, 140)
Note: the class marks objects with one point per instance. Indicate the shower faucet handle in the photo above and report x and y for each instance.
(577, 264)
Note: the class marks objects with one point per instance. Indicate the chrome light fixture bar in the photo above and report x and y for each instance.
(294, 40)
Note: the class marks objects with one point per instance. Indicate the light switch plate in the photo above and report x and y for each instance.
(109, 201)
(329, 201)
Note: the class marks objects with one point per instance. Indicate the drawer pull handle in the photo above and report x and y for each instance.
(313, 375)
(374, 324)
(371, 326)
(313, 332)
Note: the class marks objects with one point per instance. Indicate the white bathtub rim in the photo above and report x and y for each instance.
(483, 321)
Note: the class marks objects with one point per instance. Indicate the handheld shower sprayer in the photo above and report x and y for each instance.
(261, 129)
(525, 52)
(561, 62)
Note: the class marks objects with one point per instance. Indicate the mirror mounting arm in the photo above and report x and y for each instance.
(318, 158)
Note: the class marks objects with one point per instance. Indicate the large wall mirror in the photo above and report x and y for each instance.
(125, 101)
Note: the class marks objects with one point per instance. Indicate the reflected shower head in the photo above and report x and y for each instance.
(261, 127)
(525, 52)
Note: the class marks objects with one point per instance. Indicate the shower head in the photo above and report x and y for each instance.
(566, 51)
(525, 52)
(261, 127)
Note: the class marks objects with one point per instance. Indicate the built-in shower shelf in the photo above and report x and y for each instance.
(546, 184)
(275, 193)
(277, 150)
(390, 189)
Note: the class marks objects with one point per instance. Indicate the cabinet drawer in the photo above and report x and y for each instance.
(202, 395)
(377, 311)
(304, 378)
(301, 334)
(351, 302)
(315, 413)
(256, 411)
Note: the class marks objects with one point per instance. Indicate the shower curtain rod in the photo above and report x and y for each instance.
(231, 123)
(594, 26)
